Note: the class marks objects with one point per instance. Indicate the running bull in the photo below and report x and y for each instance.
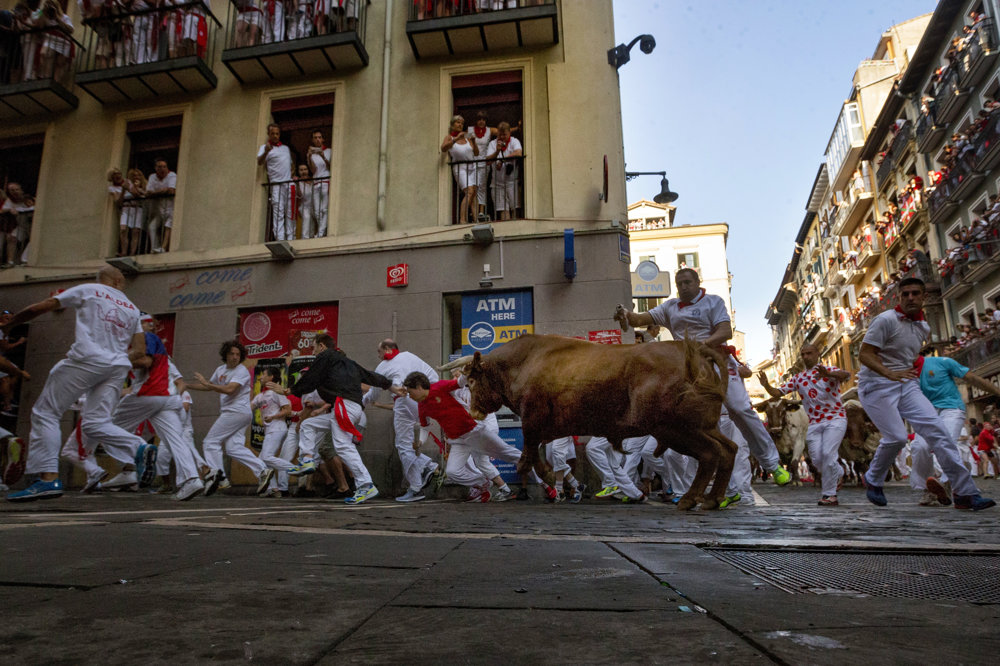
(563, 386)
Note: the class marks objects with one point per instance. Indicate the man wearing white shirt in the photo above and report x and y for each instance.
(277, 161)
(396, 365)
(161, 188)
(231, 381)
(319, 167)
(504, 154)
(108, 339)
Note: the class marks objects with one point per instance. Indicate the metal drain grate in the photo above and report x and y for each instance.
(972, 578)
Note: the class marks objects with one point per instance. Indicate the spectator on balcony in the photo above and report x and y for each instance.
(304, 190)
(15, 223)
(249, 19)
(98, 13)
(976, 17)
(506, 151)
(116, 190)
(344, 14)
(58, 49)
(160, 188)
(462, 152)
(277, 160)
(133, 214)
(145, 31)
(482, 134)
(858, 184)
(319, 156)
(300, 20)
(274, 20)
(192, 29)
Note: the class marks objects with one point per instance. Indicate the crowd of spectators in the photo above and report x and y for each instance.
(269, 21)
(36, 43)
(145, 207)
(17, 209)
(985, 326)
(427, 9)
(955, 53)
(974, 243)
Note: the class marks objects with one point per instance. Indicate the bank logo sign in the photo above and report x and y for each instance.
(493, 318)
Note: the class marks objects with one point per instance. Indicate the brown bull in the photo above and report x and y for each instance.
(562, 386)
(860, 440)
(787, 423)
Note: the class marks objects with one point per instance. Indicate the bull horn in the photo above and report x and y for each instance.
(457, 363)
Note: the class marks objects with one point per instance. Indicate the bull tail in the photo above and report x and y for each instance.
(706, 382)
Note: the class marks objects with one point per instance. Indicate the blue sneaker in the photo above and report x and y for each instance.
(145, 465)
(304, 468)
(875, 495)
(38, 490)
(964, 502)
(363, 494)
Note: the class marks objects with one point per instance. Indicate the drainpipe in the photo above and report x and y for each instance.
(384, 129)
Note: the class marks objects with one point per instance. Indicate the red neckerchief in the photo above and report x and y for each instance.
(343, 419)
(454, 133)
(480, 132)
(683, 304)
(919, 317)
(390, 354)
(919, 364)
(729, 349)
(275, 145)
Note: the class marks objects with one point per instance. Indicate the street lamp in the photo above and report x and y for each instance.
(619, 55)
(665, 196)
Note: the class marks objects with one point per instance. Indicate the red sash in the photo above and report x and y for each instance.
(343, 419)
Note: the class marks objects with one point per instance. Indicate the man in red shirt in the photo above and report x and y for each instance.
(467, 436)
(987, 451)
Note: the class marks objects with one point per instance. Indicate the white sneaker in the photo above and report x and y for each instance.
(189, 489)
(94, 481)
(122, 481)
(502, 495)
(224, 483)
(410, 496)
(263, 481)
(427, 474)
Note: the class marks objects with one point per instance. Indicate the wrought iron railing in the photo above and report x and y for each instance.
(272, 21)
(979, 351)
(297, 208)
(896, 149)
(421, 10)
(39, 54)
(503, 182)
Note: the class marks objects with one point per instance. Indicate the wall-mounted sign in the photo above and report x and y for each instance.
(213, 287)
(609, 337)
(493, 318)
(648, 281)
(397, 276)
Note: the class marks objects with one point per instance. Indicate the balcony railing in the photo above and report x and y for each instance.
(987, 144)
(892, 155)
(503, 182)
(929, 132)
(297, 209)
(979, 54)
(143, 223)
(36, 75)
(437, 28)
(965, 176)
(979, 352)
(149, 53)
(949, 96)
(279, 41)
(939, 202)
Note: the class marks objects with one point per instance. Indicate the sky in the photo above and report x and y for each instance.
(737, 103)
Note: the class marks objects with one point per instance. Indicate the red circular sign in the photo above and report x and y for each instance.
(256, 326)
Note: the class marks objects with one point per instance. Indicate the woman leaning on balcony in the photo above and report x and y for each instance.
(462, 153)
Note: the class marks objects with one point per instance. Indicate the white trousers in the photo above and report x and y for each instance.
(321, 208)
(282, 228)
(274, 26)
(749, 424)
(229, 432)
(312, 429)
(923, 460)
(680, 469)
(66, 382)
(404, 422)
(272, 450)
(598, 450)
(742, 478)
(71, 453)
(164, 412)
(823, 440)
(559, 452)
(482, 441)
(887, 404)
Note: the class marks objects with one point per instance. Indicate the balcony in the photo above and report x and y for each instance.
(869, 253)
(955, 284)
(965, 177)
(949, 98)
(830, 291)
(855, 275)
(39, 83)
(297, 209)
(979, 352)
(149, 53)
(302, 48)
(940, 205)
(985, 258)
(839, 277)
(504, 183)
(894, 153)
(929, 133)
(467, 29)
(978, 57)
(988, 144)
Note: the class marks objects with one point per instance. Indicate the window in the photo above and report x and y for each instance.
(688, 260)
(298, 186)
(498, 187)
(20, 162)
(647, 304)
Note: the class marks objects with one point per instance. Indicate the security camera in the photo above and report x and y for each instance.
(647, 44)
(485, 283)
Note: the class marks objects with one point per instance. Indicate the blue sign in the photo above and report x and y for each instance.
(508, 470)
(490, 319)
(624, 254)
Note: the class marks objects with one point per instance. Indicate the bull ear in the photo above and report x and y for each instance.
(794, 406)
(477, 363)
(760, 407)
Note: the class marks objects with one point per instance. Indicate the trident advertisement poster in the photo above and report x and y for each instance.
(270, 332)
(492, 318)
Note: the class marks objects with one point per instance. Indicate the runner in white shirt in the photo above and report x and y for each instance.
(695, 315)
(889, 390)
(274, 409)
(396, 365)
(231, 381)
(107, 324)
(277, 160)
(319, 167)
(819, 387)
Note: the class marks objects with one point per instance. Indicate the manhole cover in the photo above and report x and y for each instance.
(972, 578)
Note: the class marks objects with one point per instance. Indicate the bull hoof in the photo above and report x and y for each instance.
(710, 504)
(686, 504)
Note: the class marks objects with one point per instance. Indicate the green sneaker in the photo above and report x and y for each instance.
(729, 501)
(781, 476)
(607, 491)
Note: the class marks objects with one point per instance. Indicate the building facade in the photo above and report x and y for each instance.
(381, 86)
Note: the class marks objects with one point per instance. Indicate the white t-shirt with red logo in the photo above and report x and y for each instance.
(820, 395)
(238, 402)
(270, 403)
(106, 320)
